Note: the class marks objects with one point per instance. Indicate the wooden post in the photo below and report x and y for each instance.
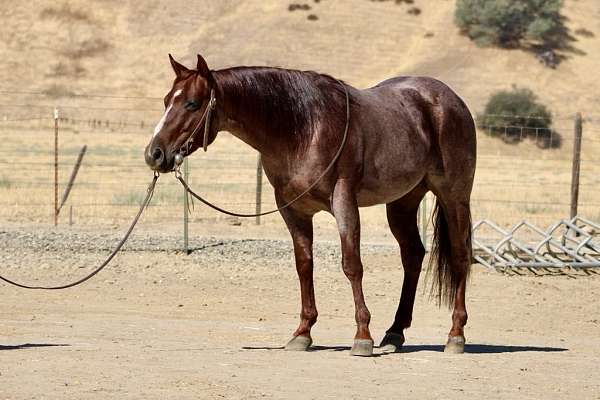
(186, 173)
(423, 215)
(576, 164)
(72, 179)
(55, 166)
(258, 187)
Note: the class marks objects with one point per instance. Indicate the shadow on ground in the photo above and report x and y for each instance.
(30, 345)
(469, 348)
(483, 349)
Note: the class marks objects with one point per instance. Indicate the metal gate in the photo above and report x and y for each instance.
(569, 243)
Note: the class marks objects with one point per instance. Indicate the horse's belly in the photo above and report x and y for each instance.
(397, 163)
(383, 191)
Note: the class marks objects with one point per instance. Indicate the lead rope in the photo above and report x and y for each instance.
(110, 257)
(329, 167)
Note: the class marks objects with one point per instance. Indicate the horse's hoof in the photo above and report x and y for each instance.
(455, 345)
(392, 342)
(299, 343)
(362, 348)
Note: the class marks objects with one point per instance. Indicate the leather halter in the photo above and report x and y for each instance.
(206, 119)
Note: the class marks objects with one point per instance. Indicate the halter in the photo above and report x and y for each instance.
(206, 119)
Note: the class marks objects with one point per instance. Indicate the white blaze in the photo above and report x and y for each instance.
(162, 121)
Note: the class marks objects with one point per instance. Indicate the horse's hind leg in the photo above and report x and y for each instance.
(402, 218)
(452, 237)
(458, 217)
(451, 180)
(301, 229)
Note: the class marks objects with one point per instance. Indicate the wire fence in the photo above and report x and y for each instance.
(523, 172)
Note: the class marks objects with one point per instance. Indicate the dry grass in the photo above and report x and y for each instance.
(65, 12)
(513, 182)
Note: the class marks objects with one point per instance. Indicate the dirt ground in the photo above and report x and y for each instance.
(160, 324)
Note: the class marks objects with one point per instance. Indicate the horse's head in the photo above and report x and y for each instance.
(181, 130)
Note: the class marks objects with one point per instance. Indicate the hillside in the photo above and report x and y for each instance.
(120, 47)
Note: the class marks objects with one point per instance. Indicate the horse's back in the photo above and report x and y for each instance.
(430, 90)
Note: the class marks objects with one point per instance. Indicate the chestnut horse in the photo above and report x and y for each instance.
(407, 136)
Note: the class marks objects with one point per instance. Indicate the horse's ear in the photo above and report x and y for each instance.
(202, 68)
(178, 68)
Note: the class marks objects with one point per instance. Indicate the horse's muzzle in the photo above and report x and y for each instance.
(157, 159)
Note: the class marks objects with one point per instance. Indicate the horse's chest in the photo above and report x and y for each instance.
(306, 188)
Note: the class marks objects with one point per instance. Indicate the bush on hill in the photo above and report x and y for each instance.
(509, 23)
(514, 115)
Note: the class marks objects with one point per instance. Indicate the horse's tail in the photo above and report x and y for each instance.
(447, 274)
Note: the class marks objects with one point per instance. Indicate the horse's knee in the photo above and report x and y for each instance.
(304, 266)
(304, 259)
(352, 269)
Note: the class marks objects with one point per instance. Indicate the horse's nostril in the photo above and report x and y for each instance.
(155, 157)
(157, 154)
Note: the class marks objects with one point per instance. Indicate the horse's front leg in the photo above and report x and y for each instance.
(301, 229)
(345, 209)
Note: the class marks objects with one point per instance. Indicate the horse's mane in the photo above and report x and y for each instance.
(285, 102)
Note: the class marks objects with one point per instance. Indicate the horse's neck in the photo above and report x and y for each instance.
(239, 127)
(241, 113)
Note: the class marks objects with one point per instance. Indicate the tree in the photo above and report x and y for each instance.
(516, 114)
(511, 23)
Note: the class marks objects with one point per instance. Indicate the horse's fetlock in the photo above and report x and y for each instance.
(363, 316)
(310, 316)
(460, 317)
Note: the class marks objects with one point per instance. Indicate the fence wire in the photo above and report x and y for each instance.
(523, 172)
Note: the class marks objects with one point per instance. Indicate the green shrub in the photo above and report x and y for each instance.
(5, 182)
(508, 23)
(516, 114)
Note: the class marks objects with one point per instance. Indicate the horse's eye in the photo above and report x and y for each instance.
(191, 105)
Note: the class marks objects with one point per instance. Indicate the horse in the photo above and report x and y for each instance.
(406, 136)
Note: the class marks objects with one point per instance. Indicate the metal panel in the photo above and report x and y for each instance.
(569, 243)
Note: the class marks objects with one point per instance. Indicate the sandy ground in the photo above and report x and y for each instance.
(160, 324)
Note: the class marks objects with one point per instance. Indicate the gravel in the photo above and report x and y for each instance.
(76, 246)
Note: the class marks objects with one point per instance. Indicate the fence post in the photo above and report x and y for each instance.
(258, 187)
(576, 164)
(186, 208)
(423, 215)
(65, 195)
(55, 166)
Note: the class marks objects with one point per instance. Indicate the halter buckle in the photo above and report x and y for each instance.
(213, 100)
(177, 172)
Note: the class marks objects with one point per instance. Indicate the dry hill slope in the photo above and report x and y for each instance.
(121, 46)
